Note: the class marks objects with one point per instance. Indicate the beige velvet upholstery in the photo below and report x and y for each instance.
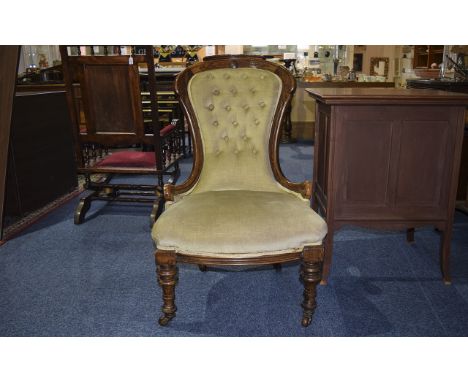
(234, 108)
(237, 207)
(238, 222)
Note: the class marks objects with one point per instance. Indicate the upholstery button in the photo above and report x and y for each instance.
(244, 76)
(244, 137)
(253, 90)
(257, 122)
(209, 76)
(227, 107)
(254, 151)
(233, 91)
(235, 123)
(262, 77)
(217, 152)
(216, 92)
(262, 104)
(236, 151)
(215, 123)
(246, 107)
(210, 106)
(226, 138)
(226, 76)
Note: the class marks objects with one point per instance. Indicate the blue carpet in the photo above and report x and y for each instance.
(98, 279)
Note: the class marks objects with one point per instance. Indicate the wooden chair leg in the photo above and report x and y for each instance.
(157, 210)
(167, 278)
(175, 175)
(202, 267)
(82, 207)
(310, 274)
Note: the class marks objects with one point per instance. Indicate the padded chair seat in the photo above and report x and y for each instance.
(136, 159)
(238, 223)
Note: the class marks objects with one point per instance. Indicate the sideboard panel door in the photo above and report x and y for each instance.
(363, 162)
(423, 151)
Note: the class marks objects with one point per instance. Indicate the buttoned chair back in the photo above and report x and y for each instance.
(235, 108)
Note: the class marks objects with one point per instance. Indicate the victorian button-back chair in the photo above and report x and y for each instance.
(237, 207)
(113, 134)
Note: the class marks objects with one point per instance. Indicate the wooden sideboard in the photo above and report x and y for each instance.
(41, 166)
(387, 158)
(457, 87)
(8, 68)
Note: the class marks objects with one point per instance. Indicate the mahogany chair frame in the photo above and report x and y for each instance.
(311, 257)
(94, 144)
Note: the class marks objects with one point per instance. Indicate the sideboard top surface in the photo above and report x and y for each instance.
(386, 96)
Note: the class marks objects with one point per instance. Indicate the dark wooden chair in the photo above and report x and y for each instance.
(117, 129)
(237, 207)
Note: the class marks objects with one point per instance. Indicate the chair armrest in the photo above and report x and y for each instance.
(307, 189)
(169, 192)
(167, 129)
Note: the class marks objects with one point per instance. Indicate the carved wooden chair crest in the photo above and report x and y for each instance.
(237, 207)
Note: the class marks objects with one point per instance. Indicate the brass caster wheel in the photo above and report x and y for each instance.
(164, 320)
(306, 321)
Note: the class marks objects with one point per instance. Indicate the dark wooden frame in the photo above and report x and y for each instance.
(75, 68)
(336, 111)
(8, 73)
(311, 257)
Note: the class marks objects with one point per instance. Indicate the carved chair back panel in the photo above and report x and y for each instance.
(112, 103)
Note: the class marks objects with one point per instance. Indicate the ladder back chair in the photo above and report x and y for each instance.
(117, 128)
(237, 207)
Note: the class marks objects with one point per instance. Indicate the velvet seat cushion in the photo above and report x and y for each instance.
(238, 223)
(132, 159)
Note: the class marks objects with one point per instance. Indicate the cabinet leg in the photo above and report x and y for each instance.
(327, 259)
(410, 235)
(445, 238)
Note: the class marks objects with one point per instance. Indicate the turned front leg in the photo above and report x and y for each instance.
(311, 274)
(166, 270)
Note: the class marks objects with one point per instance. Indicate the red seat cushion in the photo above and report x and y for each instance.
(137, 159)
(129, 159)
